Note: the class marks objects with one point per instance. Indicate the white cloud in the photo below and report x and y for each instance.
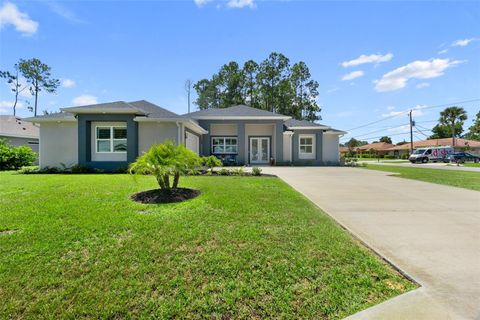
(416, 111)
(462, 42)
(420, 69)
(404, 128)
(68, 83)
(443, 51)
(422, 85)
(353, 75)
(333, 89)
(201, 3)
(84, 100)
(6, 107)
(238, 4)
(63, 12)
(390, 108)
(373, 58)
(10, 15)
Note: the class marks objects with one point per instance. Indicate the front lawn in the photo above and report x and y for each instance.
(248, 247)
(456, 178)
(471, 164)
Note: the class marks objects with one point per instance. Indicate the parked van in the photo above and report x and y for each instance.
(426, 154)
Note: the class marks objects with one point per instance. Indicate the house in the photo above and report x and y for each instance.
(19, 132)
(375, 149)
(111, 135)
(460, 145)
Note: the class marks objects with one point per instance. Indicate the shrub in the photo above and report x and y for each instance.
(405, 156)
(224, 172)
(193, 172)
(240, 171)
(390, 156)
(79, 168)
(256, 171)
(210, 162)
(165, 160)
(13, 158)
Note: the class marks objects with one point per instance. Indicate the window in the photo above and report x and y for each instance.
(224, 145)
(306, 146)
(111, 139)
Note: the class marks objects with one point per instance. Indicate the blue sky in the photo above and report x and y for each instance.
(373, 59)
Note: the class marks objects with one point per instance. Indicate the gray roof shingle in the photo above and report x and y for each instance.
(234, 111)
(152, 110)
(302, 123)
(107, 105)
(11, 126)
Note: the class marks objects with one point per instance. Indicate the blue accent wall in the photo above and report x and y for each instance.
(318, 148)
(84, 140)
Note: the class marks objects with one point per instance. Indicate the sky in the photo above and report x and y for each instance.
(374, 60)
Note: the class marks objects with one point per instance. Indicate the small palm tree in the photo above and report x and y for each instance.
(451, 116)
(163, 161)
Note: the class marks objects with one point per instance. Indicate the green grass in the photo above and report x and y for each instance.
(472, 164)
(247, 247)
(456, 178)
(383, 160)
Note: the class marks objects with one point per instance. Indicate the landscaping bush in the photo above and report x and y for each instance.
(210, 162)
(224, 172)
(13, 158)
(256, 171)
(390, 156)
(405, 156)
(238, 171)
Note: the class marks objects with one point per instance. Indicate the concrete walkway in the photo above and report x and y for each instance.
(430, 231)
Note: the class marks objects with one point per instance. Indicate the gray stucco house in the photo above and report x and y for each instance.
(19, 132)
(112, 135)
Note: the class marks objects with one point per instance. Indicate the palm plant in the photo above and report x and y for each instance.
(452, 116)
(163, 161)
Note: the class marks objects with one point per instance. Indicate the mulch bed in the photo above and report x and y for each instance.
(156, 196)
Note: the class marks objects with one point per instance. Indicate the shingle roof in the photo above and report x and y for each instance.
(153, 111)
(234, 111)
(11, 126)
(292, 123)
(375, 146)
(107, 105)
(438, 142)
(53, 116)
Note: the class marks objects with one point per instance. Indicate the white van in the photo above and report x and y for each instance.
(426, 154)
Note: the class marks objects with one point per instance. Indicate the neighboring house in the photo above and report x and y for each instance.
(19, 132)
(376, 148)
(111, 135)
(460, 145)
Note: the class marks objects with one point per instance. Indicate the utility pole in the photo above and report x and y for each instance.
(411, 131)
(188, 85)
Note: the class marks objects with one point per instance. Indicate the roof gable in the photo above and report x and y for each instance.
(152, 110)
(294, 123)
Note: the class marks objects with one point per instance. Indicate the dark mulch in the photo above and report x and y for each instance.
(165, 196)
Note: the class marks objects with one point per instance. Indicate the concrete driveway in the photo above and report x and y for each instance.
(429, 231)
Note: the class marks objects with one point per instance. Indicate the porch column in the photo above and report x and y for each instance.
(242, 157)
(279, 142)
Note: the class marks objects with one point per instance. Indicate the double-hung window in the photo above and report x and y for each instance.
(306, 146)
(222, 145)
(111, 139)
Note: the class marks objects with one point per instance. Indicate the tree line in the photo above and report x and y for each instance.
(37, 77)
(273, 85)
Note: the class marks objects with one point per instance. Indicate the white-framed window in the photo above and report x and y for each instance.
(223, 145)
(306, 146)
(111, 139)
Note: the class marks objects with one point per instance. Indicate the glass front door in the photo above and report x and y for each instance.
(259, 150)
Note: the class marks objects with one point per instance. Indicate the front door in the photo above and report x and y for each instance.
(259, 150)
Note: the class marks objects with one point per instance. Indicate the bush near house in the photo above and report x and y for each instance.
(13, 158)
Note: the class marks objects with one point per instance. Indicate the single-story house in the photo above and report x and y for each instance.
(111, 135)
(375, 149)
(19, 132)
(460, 145)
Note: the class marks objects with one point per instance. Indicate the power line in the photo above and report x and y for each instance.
(379, 130)
(407, 111)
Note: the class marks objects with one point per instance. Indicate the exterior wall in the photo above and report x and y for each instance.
(17, 142)
(58, 144)
(197, 147)
(150, 133)
(244, 129)
(287, 148)
(110, 156)
(318, 160)
(85, 140)
(331, 154)
(223, 130)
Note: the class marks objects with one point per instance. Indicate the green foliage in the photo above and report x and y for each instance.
(389, 156)
(13, 158)
(450, 123)
(474, 130)
(165, 160)
(271, 85)
(386, 139)
(38, 77)
(79, 168)
(210, 162)
(240, 171)
(224, 172)
(256, 171)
